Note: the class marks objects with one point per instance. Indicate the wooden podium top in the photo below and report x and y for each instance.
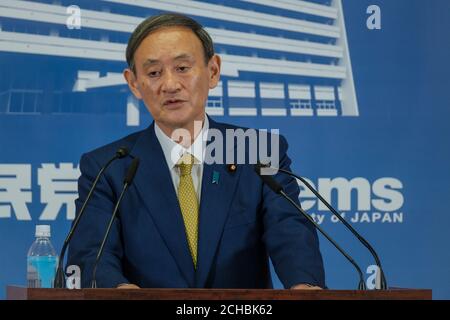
(22, 293)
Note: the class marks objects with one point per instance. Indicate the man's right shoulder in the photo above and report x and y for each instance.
(104, 153)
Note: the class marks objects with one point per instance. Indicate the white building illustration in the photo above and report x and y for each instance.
(293, 63)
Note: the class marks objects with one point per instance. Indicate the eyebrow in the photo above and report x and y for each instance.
(183, 56)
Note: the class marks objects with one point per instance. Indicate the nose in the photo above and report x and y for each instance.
(170, 83)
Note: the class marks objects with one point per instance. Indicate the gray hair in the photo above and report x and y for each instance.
(157, 22)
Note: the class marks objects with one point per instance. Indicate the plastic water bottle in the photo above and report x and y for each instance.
(42, 260)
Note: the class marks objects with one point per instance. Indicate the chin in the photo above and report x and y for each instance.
(179, 118)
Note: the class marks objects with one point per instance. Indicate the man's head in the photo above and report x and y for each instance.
(172, 66)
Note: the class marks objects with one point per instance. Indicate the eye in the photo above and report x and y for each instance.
(183, 68)
(154, 74)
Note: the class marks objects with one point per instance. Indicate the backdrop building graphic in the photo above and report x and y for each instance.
(280, 58)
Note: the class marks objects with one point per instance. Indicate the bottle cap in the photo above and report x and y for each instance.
(42, 230)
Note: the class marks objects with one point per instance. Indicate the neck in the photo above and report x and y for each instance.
(184, 135)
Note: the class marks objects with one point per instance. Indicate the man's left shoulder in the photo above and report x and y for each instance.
(271, 134)
(222, 126)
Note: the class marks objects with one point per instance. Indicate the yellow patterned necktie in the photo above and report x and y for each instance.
(187, 198)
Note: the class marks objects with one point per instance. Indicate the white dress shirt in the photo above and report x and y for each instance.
(174, 151)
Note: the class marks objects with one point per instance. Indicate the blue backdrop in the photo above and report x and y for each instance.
(362, 97)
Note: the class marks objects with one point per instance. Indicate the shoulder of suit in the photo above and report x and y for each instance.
(224, 126)
(108, 150)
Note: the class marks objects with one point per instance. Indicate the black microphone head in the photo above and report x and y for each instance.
(268, 180)
(258, 168)
(265, 169)
(131, 171)
(122, 152)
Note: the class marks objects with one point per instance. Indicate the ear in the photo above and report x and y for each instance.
(214, 71)
(132, 82)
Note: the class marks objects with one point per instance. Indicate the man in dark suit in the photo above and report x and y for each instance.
(186, 222)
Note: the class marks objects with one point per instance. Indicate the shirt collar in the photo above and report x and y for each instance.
(170, 147)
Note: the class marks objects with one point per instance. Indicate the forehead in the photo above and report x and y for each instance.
(169, 42)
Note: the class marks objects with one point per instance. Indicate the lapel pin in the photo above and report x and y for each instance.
(232, 167)
(215, 178)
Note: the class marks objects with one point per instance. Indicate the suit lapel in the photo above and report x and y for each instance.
(216, 198)
(155, 187)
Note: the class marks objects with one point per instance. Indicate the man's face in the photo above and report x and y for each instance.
(172, 77)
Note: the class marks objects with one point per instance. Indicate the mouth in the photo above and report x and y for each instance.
(173, 103)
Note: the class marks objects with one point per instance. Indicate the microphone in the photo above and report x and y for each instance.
(126, 183)
(278, 189)
(349, 226)
(60, 276)
(372, 251)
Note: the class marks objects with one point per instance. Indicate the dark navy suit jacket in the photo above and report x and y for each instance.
(241, 224)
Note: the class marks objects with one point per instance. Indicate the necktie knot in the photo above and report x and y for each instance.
(185, 164)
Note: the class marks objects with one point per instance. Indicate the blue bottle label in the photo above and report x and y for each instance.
(41, 271)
